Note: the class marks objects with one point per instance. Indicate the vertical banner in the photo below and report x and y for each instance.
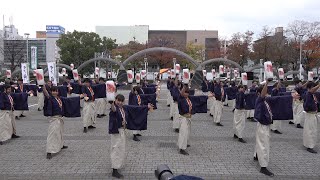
(75, 74)
(138, 77)
(221, 69)
(130, 76)
(52, 72)
(8, 74)
(244, 79)
(173, 74)
(97, 72)
(213, 71)
(310, 76)
(204, 73)
(34, 57)
(281, 73)
(72, 66)
(25, 73)
(64, 71)
(186, 76)
(111, 90)
(143, 74)
(177, 68)
(40, 77)
(235, 73)
(268, 70)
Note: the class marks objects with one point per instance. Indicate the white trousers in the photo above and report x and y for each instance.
(89, 115)
(310, 130)
(250, 113)
(262, 148)
(298, 115)
(176, 116)
(213, 104)
(184, 132)
(239, 122)
(40, 100)
(55, 134)
(18, 113)
(118, 149)
(232, 103)
(100, 106)
(276, 125)
(217, 111)
(169, 98)
(7, 125)
(171, 108)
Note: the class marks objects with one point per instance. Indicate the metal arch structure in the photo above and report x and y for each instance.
(58, 65)
(159, 49)
(98, 59)
(295, 72)
(198, 76)
(220, 60)
(122, 75)
(262, 66)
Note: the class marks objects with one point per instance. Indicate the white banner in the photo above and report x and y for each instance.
(34, 57)
(25, 73)
(40, 77)
(8, 74)
(52, 72)
(75, 74)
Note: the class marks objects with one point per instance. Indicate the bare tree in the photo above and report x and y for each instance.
(14, 52)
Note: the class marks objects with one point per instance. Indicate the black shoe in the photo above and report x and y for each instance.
(135, 138)
(211, 115)
(85, 130)
(184, 152)
(290, 122)
(248, 118)
(116, 174)
(17, 118)
(255, 158)
(22, 115)
(99, 116)
(235, 136)
(64, 147)
(276, 131)
(299, 126)
(168, 105)
(312, 151)
(138, 135)
(188, 145)
(39, 109)
(176, 130)
(103, 115)
(219, 124)
(233, 110)
(265, 171)
(241, 140)
(226, 105)
(171, 118)
(14, 136)
(49, 156)
(91, 127)
(1, 143)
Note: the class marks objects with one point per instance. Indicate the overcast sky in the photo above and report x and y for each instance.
(226, 16)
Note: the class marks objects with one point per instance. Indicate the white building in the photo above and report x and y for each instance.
(53, 34)
(1, 48)
(124, 34)
(11, 33)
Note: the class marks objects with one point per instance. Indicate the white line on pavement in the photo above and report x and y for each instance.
(33, 105)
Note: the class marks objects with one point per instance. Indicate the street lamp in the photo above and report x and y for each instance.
(300, 69)
(27, 35)
(145, 64)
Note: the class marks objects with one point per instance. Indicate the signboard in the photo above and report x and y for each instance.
(52, 72)
(34, 57)
(25, 73)
(55, 29)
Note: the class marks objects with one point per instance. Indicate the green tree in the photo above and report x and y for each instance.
(196, 51)
(78, 47)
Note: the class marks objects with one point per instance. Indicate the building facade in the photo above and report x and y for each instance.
(124, 34)
(41, 34)
(53, 33)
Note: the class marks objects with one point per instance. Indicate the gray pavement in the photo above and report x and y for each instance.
(214, 154)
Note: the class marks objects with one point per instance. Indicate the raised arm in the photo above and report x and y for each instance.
(113, 107)
(314, 89)
(45, 92)
(264, 90)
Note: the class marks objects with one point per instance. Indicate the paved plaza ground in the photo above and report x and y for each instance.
(214, 154)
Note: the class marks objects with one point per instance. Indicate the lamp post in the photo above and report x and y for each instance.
(27, 35)
(174, 64)
(300, 69)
